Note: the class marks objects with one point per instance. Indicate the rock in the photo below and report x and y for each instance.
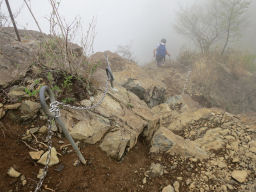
(13, 173)
(152, 95)
(12, 106)
(40, 174)
(53, 160)
(240, 175)
(144, 181)
(2, 111)
(90, 131)
(23, 180)
(16, 92)
(29, 109)
(34, 130)
(86, 102)
(166, 141)
(176, 102)
(114, 144)
(212, 140)
(36, 154)
(168, 188)
(43, 129)
(176, 186)
(252, 145)
(76, 163)
(156, 170)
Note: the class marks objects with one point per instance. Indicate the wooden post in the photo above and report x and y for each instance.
(12, 18)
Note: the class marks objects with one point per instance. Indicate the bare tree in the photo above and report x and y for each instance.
(125, 52)
(209, 23)
(200, 24)
(233, 17)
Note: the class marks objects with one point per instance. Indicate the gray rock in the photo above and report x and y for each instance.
(166, 141)
(152, 96)
(114, 144)
(29, 109)
(156, 170)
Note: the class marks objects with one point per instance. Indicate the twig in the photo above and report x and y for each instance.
(39, 141)
(49, 189)
(61, 147)
(30, 146)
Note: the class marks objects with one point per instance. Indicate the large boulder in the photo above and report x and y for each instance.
(16, 57)
(166, 141)
(116, 124)
(29, 109)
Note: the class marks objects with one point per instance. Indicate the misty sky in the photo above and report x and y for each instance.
(139, 23)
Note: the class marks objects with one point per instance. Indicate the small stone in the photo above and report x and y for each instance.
(168, 188)
(13, 173)
(176, 186)
(54, 159)
(34, 130)
(230, 187)
(76, 163)
(12, 106)
(36, 154)
(43, 129)
(40, 174)
(23, 180)
(179, 178)
(239, 175)
(224, 188)
(27, 137)
(144, 181)
(235, 160)
(156, 169)
(61, 142)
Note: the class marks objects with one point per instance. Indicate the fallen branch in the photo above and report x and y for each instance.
(49, 189)
(30, 146)
(39, 141)
(62, 146)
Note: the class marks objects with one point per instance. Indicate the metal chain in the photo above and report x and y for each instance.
(49, 137)
(55, 105)
(186, 81)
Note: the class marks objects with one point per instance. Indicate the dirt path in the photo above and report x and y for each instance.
(100, 174)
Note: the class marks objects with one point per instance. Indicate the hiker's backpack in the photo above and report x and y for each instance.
(161, 50)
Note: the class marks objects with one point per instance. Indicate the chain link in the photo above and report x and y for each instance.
(54, 108)
(49, 137)
(55, 105)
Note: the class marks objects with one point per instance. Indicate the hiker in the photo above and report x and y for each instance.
(160, 52)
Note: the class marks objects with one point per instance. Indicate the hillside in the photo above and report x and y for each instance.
(155, 131)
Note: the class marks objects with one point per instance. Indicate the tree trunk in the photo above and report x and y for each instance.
(226, 42)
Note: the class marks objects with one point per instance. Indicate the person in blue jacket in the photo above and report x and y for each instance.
(160, 52)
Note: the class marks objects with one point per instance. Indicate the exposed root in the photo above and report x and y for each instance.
(30, 146)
